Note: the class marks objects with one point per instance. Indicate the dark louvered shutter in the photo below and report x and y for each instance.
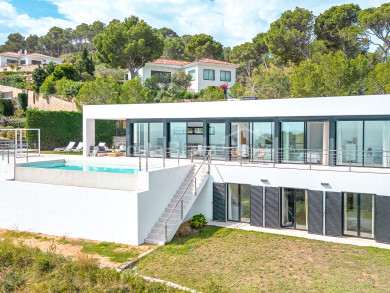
(272, 218)
(334, 214)
(382, 218)
(315, 211)
(219, 202)
(256, 206)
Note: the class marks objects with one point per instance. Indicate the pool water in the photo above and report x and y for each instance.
(89, 168)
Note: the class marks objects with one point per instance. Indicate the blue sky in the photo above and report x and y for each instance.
(231, 22)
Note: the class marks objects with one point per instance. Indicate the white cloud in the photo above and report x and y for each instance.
(231, 22)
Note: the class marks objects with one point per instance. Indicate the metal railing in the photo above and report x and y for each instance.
(193, 180)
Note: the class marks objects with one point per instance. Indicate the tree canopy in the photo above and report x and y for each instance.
(203, 46)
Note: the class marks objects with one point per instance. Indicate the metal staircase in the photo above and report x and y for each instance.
(174, 214)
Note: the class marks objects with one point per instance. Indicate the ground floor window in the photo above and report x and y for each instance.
(294, 208)
(238, 203)
(359, 215)
(148, 137)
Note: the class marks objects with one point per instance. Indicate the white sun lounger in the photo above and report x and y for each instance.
(79, 147)
(65, 149)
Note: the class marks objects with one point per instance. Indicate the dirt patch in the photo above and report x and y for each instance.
(68, 247)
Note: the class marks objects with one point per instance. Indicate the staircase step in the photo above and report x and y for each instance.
(154, 241)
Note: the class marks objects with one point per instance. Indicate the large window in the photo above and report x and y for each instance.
(217, 134)
(208, 74)
(239, 205)
(192, 73)
(226, 76)
(359, 215)
(165, 75)
(178, 139)
(363, 143)
(262, 140)
(293, 141)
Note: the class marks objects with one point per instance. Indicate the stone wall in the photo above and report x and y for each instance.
(19, 68)
(38, 102)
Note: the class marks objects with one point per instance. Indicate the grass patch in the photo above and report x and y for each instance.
(62, 153)
(11, 234)
(25, 269)
(229, 260)
(116, 252)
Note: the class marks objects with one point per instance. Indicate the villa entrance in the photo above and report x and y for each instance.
(294, 208)
(238, 203)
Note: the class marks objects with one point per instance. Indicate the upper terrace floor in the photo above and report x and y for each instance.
(345, 132)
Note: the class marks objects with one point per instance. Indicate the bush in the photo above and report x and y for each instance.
(23, 100)
(11, 134)
(198, 221)
(48, 87)
(67, 89)
(65, 70)
(6, 107)
(60, 127)
(212, 94)
(16, 122)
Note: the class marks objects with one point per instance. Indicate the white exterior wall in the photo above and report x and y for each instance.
(105, 215)
(202, 84)
(194, 87)
(29, 59)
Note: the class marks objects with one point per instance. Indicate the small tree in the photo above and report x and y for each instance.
(23, 100)
(181, 81)
(39, 75)
(133, 92)
(86, 63)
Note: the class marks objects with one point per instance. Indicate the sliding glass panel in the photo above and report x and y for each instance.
(195, 138)
(287, 207)
(377, 143)
(178, 139)
(367, 215)
(315, 142)
(263, 141)
(140, 135)
(217, 139)
(240, 139)
(293, 141)
(233, 202)
(349, 142)
(351, 214)
(245, 203)
(301, 208)
(156, 138)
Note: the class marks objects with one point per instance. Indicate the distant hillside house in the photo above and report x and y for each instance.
(204, 72)
(25, 61)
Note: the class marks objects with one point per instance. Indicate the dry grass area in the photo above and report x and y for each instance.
(228, 260)
(106, 253)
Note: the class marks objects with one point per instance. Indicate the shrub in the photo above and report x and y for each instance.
(11, 134)
(23, 100)
(17, 122)
(65, 70)
(19, 113)
(198, 221)
(6, 107)
(48, 87)
(67, 89)
(211, 94)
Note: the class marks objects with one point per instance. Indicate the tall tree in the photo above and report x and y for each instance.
(173, 49)
(338, 27)
(94, 29)
(15, 42)
(129, 44)
(376, 23)
(56, 40)
(167, 33)
(86, 63)
(203, 46)
(261, 48)
(289, 37)
(245, 55)
(32, 44)
(80, 35)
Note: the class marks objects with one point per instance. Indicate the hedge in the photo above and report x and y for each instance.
(23, 100)
(58, 128)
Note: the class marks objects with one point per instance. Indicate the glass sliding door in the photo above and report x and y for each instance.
(239, 204)
(178, 139)
(233, 202)
(359, 215)
(377, 143)
(141, 137)
(315, 142)
(349, 148)
(293, 141)
(217, 134)
(262, 141)
(294, 208)
(156, 139)
(239, 139)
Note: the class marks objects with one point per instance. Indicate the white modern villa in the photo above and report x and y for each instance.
(25, 59)
(204, 72)
(317, 165)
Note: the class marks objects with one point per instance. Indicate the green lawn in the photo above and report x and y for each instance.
(228, 260)
(25, 269)
(61, 153)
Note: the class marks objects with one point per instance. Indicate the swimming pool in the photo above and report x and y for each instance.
(87, 167)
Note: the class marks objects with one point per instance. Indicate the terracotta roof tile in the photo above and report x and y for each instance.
(170, 62)
(12, 53)
(29, 54)
(207, 60)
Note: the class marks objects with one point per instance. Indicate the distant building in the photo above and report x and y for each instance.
(32, 60)
(204, 72)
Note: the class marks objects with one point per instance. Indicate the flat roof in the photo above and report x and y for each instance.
(293, 107)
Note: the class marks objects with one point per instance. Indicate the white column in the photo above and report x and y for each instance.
(88, 135)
